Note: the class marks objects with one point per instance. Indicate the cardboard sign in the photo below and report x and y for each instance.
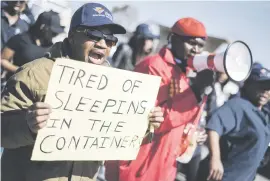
(98, 113)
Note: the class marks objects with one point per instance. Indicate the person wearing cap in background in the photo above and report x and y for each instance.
(23, 111)
(27, 15)
(11, 23)
(243, 123)
(181, 100)
(32, 44)
(25, 11)
(139, 46)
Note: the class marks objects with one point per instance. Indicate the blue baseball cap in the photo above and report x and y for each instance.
(93, 15)
(144, 31)
(259, 73)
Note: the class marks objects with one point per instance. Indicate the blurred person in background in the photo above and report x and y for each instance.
(27, 15)
(24, 113)
(11, 23)
(32, 44)
(140, 45)
(224, 90)
(182, 100)
(243, 123)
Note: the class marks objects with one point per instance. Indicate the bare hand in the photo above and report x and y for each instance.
(216, 170)
(202, 137)
(37, 116)
(156, 117)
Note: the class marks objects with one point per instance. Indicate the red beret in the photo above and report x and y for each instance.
(189, 27)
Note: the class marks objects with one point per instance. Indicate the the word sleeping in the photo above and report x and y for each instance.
(68, 102)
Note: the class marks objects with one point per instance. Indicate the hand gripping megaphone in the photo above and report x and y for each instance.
(236, 61)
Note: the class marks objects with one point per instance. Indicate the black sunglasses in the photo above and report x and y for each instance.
(96, 35)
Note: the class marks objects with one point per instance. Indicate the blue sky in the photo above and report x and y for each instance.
(248, 21)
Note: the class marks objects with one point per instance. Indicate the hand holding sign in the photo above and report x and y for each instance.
(156, 117)
(37, 116)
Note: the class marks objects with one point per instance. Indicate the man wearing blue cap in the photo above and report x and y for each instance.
(243, 124)
(139, 46)
(23, 111)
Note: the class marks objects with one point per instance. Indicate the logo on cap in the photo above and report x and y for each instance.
(108, 15)
(102, 13)
(99, 10)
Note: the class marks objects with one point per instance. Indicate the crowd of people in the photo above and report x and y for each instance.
(202, 110)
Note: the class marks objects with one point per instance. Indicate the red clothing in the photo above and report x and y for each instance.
(156, 161)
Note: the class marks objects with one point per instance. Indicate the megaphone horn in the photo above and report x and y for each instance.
(201, 62)
(236, 61)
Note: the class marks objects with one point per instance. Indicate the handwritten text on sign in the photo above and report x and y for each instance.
(99, 113)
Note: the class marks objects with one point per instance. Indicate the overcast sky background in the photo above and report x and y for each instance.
(248, 21)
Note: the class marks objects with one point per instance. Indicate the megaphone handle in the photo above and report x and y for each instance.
(151, 133)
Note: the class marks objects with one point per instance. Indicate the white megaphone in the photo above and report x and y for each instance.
(236, 61)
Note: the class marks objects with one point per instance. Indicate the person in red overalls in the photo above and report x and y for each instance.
(180, 98)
